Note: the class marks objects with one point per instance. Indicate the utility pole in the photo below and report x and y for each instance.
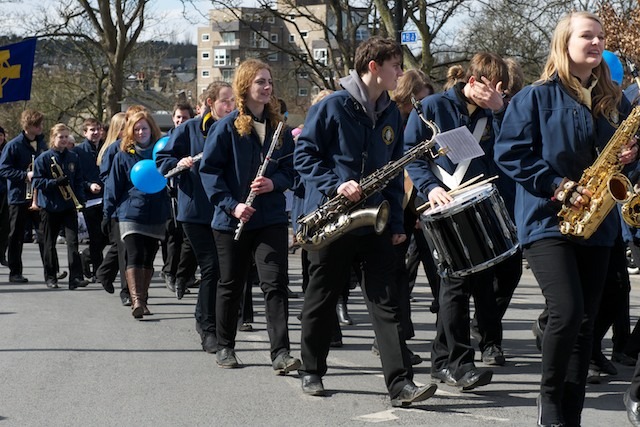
(398, 12)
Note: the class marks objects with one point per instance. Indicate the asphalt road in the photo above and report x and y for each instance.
(71, 358)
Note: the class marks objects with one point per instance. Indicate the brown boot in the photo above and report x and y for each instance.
(135, 277)
(148, 274)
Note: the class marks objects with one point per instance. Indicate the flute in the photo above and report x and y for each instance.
(179, 169)
(261, 170)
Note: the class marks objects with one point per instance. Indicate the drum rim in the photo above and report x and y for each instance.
(483, 266)
(449, 210)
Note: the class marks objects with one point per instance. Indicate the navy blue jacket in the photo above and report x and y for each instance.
(449, 112)
(16, 158)
(339, 143)
(546, 135)
(88, 153)
(229, 165)
(127, 202)
(187, 140)
(49, 195)
(107, 159)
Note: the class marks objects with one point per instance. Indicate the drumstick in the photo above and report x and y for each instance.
(464, 186)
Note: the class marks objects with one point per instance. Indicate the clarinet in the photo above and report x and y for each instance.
(261, 170)
(179, 169)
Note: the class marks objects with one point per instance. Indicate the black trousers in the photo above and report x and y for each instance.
(614, 303)
(327, 272)
(268, 247)
(492, 305)
(17, 217)
(4, 226)
(571, 277)
(421, 252)
(97, 240)
(114, 260)
(204, 248)
(452, 346)
(51, 223)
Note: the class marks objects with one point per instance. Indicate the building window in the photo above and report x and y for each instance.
(273, 57)
(361, 34)
(303, 74)
(304, 34)
(303, 91)
(220, 58)
(228, 38)
(205, 55)
(205, 73)
(205, 37)
(263, 42)
(292, 38)
(320, 56)
(271, 19)
(274, 38)
(227, 76)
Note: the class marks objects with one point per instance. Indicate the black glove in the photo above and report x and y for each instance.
(105, 226)
(568, 191)
(61, 181)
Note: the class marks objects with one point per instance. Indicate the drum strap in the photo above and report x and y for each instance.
(453, 181)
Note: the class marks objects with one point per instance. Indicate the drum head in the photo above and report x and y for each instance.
(460, 201)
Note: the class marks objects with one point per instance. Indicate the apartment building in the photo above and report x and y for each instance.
(303, 57)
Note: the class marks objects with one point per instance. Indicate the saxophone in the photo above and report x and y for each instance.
(339, 215)
(630, 211)
(605, 182)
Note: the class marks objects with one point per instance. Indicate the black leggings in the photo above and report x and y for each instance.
(141, 250)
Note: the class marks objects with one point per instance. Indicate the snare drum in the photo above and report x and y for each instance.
(471, 233)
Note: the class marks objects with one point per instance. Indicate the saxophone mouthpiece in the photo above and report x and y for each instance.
(416, 104)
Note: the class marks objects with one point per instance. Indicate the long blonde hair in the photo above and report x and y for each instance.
(242, 82)
(116, 125)
(56, 129)
(605, 95)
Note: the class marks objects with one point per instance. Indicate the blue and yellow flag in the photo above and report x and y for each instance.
(16, 69)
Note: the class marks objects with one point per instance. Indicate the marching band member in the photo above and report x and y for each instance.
(16, 158)
(348, 135)
(476, 102)
(56, 210)
(195, 212)
(234, 151)
(552, 131)
(141, 216)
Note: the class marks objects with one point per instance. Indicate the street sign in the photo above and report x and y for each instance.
(409, 37)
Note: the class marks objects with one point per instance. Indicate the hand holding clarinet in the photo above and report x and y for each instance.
(259, 185)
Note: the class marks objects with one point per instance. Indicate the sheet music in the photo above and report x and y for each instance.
(460, 144)
(93, 202)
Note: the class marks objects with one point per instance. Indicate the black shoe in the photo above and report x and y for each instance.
(312, 385)
(169, 281)
(336, 344)
(108, 286)
(3, 261)
(62, 275)
(52, 284)
(285, 363)
(77, 283)
(181, 287)
(475, 332)
(473, 378)
(414, 358)
(411, 393)
(537, 333)
(343, 314)
(125, 298)
(593, 375)
(493, 355)
(633, 408)
(209, 342)
(623, 359)
(604, 364)
(245, 327)
(374, 348)
(18, 278)
(444, 376)
(226, 358)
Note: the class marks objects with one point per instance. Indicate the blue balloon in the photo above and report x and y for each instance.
(160, 144)
(615, 66)
(146, 178)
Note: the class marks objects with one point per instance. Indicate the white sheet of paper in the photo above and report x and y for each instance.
(460, 144)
